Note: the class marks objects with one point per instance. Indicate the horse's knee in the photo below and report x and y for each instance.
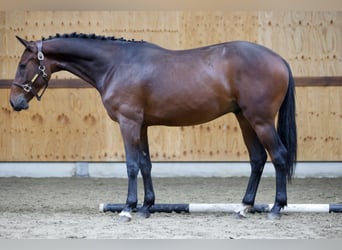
(132, 170)
(145, 168)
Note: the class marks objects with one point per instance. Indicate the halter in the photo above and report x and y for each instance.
(27, 87)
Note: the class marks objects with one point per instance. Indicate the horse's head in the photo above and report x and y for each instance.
(32, 76)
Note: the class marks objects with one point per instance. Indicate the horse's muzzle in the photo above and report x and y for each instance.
(19, 103)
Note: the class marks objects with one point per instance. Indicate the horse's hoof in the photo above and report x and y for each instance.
(143, 214)
(239, 216)
(273, 216)
(125, 217)
(242, 211)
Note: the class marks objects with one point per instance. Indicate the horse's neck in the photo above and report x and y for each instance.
(80, 58)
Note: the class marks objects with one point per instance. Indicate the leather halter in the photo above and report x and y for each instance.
(27, 87)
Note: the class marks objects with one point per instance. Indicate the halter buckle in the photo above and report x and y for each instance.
(40, 56)
(27, 87)
(42, 69)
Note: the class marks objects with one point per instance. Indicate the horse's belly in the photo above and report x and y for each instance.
(188, 113)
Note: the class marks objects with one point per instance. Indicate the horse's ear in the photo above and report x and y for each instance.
(23, 42)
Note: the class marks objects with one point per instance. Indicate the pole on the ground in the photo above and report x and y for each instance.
(229, 208)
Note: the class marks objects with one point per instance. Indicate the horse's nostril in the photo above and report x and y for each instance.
(19, 105)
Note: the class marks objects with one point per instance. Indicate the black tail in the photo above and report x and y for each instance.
(286, 127)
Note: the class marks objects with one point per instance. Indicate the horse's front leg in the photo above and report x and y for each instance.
(145, 169)
(130, 131)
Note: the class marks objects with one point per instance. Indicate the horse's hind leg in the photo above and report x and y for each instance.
(258, 156)
(269, 138)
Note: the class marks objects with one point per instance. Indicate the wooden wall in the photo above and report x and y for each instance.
(70, 124)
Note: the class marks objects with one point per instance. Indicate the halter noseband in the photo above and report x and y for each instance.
(27, 87)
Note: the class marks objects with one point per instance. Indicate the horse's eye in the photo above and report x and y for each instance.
(22, 66)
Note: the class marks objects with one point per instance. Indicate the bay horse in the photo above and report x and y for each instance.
(142, 84)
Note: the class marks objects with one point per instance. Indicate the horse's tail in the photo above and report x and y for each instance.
(286, 127)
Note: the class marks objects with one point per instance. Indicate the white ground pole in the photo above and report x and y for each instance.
(161, 169)
(229, 208)
(297, 208)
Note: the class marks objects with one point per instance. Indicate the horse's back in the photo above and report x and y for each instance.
(223, 78)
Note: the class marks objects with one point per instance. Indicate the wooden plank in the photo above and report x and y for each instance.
(318, 81)
(202, 28)
(319, 121)
(309, 41)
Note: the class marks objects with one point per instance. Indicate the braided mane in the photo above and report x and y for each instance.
(90, 36)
